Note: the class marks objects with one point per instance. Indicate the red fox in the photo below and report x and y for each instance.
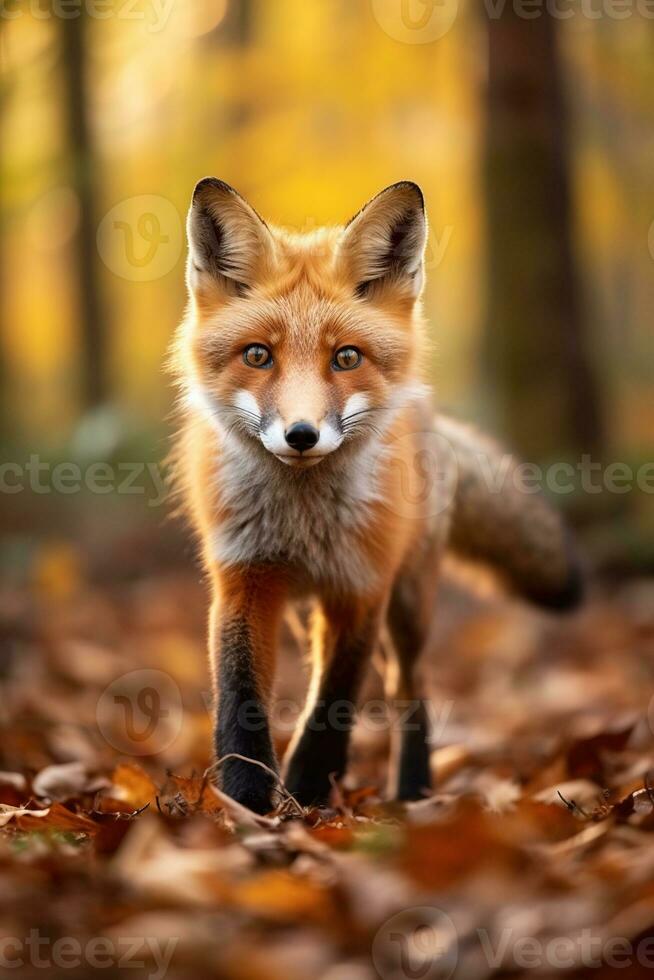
(301, 362)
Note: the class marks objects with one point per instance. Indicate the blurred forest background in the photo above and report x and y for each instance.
(531, 136)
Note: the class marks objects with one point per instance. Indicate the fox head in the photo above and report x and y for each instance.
(302, 342)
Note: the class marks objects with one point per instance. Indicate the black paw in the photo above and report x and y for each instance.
(414, 775)
(309, 788)
(248, 784)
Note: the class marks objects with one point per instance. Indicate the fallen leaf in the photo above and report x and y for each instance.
(132, 785)
(10, 813)
(60, 782)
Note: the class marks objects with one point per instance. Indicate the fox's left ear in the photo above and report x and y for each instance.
(383, 245)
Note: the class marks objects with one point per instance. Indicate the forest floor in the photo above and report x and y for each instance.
(534, 855)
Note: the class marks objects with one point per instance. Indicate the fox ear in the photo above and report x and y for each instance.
(383, 245)
(230, 246)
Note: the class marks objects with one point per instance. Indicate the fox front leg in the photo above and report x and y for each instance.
(245, 618)
(343, 640)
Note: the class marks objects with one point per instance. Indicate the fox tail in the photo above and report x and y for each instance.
(499, 520)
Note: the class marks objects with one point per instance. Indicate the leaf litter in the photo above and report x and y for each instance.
(539, 830)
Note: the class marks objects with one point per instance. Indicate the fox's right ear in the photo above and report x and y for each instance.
(230, 246)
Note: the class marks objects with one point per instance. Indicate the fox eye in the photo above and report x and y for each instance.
(258, 356)
(347, 358)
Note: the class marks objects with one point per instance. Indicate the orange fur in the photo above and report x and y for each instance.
(335, 519)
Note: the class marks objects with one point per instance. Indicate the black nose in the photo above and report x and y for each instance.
(302, 436)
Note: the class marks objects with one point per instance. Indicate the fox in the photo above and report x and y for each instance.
(314, 466)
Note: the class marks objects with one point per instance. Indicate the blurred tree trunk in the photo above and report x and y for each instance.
(4, 374)
(239, 22)
(237, 33)
(536, 344)
(74, 36)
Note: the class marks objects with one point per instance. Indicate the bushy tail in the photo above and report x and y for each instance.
(499, 518)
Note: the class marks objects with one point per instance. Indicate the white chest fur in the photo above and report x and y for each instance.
(313, 520)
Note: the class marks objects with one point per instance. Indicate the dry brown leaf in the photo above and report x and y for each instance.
(132, 785)
(8, 814)
(183, 795)
(586, 758)
(282, 896)
(62, 781)
(56, 818)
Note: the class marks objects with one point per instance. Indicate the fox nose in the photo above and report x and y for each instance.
(302, 436)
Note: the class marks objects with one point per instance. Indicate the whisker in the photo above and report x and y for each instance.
(353, 415)
(243, 411)
(361, 425)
